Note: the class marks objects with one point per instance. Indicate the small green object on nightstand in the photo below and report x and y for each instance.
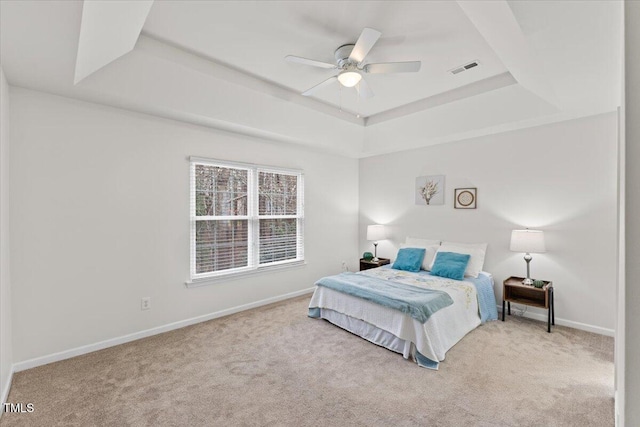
(367, 256)
(538, 283)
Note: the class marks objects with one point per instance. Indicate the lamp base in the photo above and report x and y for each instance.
(528, 281)
(376, 259)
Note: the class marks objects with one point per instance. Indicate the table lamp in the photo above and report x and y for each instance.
(527, 241)
(375, 233)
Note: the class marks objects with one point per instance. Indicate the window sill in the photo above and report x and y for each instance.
(205, 281)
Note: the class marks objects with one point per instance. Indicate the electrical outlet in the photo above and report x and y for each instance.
(145, 304)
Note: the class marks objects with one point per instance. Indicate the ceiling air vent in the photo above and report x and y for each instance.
(464, 67)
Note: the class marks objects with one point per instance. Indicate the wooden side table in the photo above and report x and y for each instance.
(366, 265)
(514, 291)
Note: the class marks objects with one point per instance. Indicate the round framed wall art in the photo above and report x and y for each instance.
(465, 198)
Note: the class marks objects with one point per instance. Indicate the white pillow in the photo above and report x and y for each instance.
(477, 252)
(421, 243)
(429, 254)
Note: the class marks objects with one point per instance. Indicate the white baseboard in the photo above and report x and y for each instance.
(616, 411)
(565, 322)
(67, 354)
(6, 388)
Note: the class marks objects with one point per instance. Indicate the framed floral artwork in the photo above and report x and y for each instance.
(465, 198)
(430, 190)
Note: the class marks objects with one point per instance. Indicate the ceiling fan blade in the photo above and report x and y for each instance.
(393, 67)
(320, 85)
(363, 89)
(365, 42)
(312, 62)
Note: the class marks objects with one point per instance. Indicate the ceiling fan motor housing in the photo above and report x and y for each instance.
(342, 57)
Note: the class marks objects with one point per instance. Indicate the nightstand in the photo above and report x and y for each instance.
(365, 265)
(514, 291)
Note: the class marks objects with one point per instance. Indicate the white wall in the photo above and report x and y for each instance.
(560, 178)
(632, 205)
(100, 219)
(5, 279)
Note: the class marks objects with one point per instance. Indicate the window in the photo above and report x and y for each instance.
(244, 218)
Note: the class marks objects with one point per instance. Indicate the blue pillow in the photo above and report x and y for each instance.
(409, 259)
(450, 264)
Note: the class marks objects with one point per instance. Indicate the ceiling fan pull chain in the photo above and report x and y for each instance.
(358, 101)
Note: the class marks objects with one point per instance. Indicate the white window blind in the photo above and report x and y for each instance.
(244, 217)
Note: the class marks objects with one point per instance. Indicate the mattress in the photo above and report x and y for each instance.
(426, 343)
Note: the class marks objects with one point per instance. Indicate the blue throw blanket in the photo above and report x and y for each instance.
(417, 302)
(486, 297)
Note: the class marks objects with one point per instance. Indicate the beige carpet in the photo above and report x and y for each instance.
(275, 366)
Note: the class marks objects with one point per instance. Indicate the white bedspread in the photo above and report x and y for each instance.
(432, 339)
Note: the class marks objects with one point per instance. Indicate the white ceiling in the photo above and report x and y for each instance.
(221, 64)
(256, 36)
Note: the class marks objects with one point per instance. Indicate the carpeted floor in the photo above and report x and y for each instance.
(275, 366)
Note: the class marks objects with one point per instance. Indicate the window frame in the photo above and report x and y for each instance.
(253, 218)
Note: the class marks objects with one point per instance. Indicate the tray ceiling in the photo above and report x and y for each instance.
(221, 64)
(254, 38)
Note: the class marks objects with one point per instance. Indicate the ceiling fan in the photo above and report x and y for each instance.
(350, 63)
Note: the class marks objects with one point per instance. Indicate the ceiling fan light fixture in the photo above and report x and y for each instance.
(349, 59)
(349, 78)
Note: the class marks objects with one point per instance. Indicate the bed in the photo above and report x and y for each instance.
(457, 307)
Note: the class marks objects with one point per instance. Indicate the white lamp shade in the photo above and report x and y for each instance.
(527, 241)
(349, 78)
(376, 232)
